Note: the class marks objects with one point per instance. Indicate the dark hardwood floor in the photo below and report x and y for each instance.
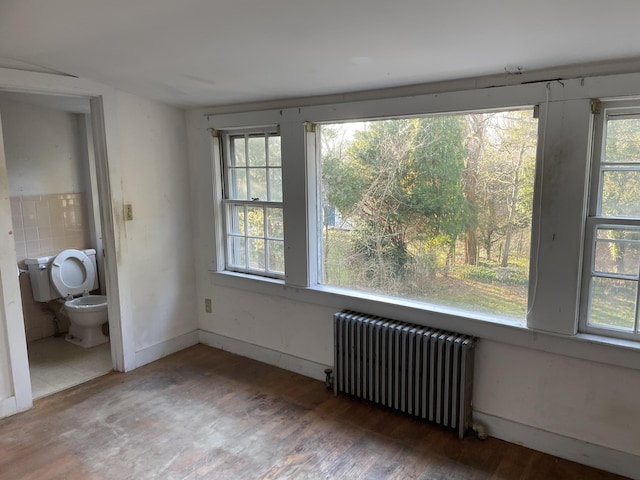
(204, 413)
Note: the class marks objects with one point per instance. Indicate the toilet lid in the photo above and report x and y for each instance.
(72, 273)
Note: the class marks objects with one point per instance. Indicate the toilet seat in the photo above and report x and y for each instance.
(72, 273)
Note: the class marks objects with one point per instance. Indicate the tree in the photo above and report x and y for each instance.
(476, 125)
(400, 183)
(504, 179)
(519, 142)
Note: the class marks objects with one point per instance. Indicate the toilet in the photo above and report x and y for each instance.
(69, 277)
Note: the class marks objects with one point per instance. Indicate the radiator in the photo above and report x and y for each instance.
(417, 370)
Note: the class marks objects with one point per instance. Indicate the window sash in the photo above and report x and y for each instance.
(248, 251)
(242, 235)
(596, 221)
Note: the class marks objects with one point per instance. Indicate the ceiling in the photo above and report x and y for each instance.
(207, 53)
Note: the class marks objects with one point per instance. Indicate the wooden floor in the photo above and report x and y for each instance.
(204, 413)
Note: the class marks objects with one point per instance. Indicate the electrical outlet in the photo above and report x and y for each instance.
(207, 305)
(128, 212)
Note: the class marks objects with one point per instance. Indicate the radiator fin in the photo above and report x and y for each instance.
(417, 370)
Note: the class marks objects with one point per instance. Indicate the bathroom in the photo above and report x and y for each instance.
(54, 205)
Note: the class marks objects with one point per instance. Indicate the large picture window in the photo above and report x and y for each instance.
(253, 203)
(436, 209)
(613, 226)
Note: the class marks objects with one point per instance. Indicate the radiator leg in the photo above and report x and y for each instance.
(328, 381)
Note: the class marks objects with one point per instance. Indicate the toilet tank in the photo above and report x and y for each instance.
(43, 289)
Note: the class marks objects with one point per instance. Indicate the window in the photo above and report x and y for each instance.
(436, 209)
(613, 225)
(253, 203)
(350, 246)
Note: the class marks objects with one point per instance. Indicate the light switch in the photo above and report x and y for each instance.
(128, 212)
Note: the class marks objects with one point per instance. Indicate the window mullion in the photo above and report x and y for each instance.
(266, 158)
(247, 167)
(264, 236)
(597, 152)
(246, 237)
(561, 220)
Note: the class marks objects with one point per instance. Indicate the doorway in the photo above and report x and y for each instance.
(53, 190)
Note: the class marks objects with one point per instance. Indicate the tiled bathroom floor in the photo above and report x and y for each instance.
(56, 364)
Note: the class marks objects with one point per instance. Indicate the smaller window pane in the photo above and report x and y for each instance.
(257, 153)
(275, 158)
(620, 196)
(275, 224)
(236, 219)
(623, 140)
(238, 184)
(237, 252)
(238, 159)
(255, 217)
(258, 181)
(276, 256)
(617, 251)
(256, 253)
(275, 184)
(613, 303)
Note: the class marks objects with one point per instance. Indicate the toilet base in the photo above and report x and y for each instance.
(86, 337)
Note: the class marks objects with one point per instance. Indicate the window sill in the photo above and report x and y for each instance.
(617, 352)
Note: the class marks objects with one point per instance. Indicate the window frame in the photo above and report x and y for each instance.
(227, 151)
(321, 278)
(595, 220)
(565, 144)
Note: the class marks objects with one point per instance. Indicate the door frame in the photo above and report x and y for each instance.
(103, 102)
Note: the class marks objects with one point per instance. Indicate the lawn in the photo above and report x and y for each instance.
(473, 288)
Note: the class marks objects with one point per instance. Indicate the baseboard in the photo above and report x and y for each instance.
(155, 352)
(8, 406)
(597, 456)
(265, 355)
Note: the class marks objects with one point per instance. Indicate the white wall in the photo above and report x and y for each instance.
(157, 262)
(590, 401)
(578, 404)
(42, 147)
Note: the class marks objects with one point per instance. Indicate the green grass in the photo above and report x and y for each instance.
(613, 303)
(472, 288)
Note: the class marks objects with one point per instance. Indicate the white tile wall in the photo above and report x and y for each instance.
(46, 225)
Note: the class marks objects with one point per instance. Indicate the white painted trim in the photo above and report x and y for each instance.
(103, 123)
(11, 314)
(53, 84)
(299, 365)
(296, 212)
(159, 350)
(621, 463)
(575, 71)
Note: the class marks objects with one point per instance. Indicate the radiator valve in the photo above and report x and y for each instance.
(328, 381)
